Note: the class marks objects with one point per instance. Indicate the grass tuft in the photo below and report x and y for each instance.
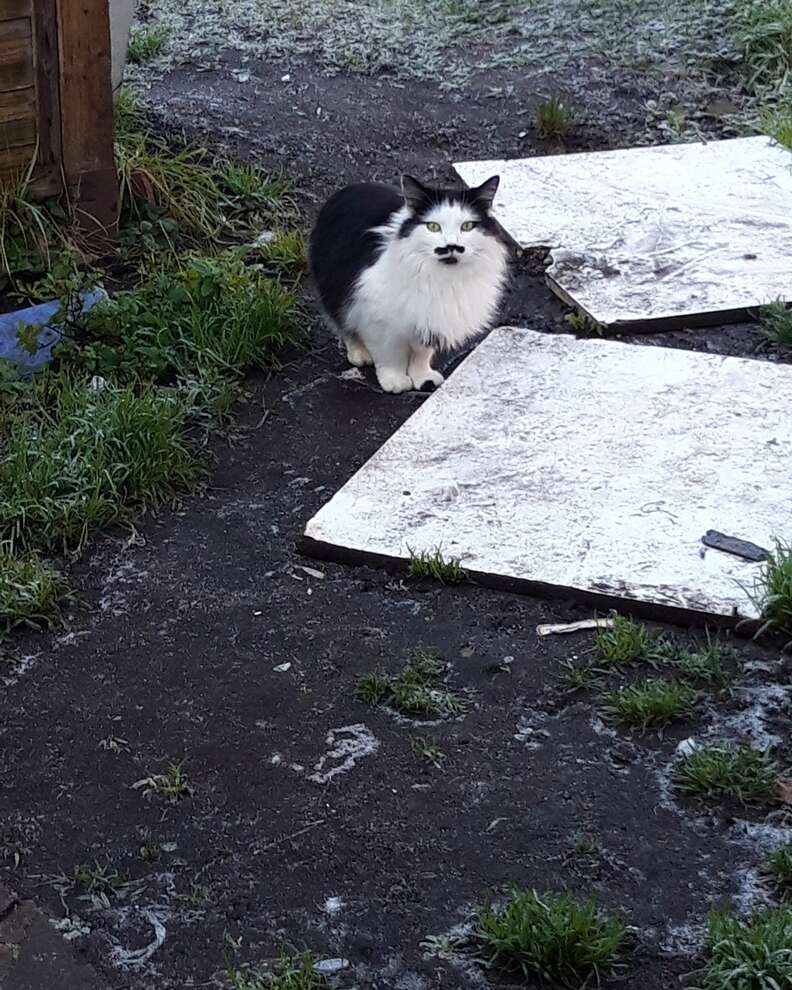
(755, 954)
(778, 870)
(413, 692)
(554, 119)
(772, 591)
(172, 784)
(777, 123)
(30, 231)
(748, 775)
(551, 936)
(76, 457)
(702, 662)
(651, 703)
(30, 591)
(432, 564)
(147, 43)
(284, 974)
(423, 749)
(765, 34)
(775, 320)
(625, 642)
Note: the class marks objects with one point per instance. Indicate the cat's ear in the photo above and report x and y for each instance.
(485, 193)
(414, 193)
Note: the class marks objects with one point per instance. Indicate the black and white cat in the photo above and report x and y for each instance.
(401, 276)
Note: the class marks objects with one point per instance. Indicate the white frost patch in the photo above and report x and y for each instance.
(333, 905)
(139, 957)
(683, 940)
(601, 729)
(528, 728)
(762, 703)
(349, 743)
(761, 836)
(751, 892)
(19, 667)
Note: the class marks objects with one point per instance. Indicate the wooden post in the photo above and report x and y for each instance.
(86, 111)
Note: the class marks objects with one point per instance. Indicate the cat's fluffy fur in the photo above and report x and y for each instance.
(401, 276)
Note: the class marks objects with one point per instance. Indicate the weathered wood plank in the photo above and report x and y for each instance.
(86, 107)
(17, 104)
(16, 54)
(45, 32)
(22, 130)
(10, 9)
(16, 160)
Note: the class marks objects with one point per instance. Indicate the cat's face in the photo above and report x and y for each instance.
(450, 227)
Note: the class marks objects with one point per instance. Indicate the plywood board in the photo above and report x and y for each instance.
(586, 467)
(671, 236)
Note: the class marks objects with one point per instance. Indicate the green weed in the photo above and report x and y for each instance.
(775, 322)
(772, 591)
(745, 774)
(423, 749)
(554, 119)
(755, 954)
(432, 564)
(286, 252)
(30, 231)
(147, 43)
(765, 33)
(285, 973)
(30, 591)
(650, 703)
(172, 784)
(551, 936)
(623, 643)
(777, 123)
(413, 692)
(576, 677)
(701, 662)
(778, 869)
(581, 323)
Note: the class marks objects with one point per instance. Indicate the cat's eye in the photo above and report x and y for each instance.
(469, 225)
(434, 227)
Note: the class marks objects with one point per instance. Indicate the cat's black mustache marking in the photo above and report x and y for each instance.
(449, 249)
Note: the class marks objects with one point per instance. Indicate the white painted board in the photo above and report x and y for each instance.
(584, 465)
(674, 233)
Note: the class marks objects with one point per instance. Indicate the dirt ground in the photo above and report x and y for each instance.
(202, 638)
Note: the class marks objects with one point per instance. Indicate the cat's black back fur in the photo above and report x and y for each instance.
(342, 242)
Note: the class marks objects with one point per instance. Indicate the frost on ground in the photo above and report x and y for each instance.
(672, 53)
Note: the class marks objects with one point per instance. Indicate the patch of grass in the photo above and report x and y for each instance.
(554, 119)
(209, 314)
(775, 322)
(583, 324)
(623, 643)
(778, 869)
(423, 749)
(74, 457)
(576, 677)
(147, 43)
(702, 662)
(285, 973)
(413, 692)
(551, 936)
(651, 703)
(432, 564)
(30, 591)
(373, 688)
(286, 252)
(30, 231)
(765, 33)
(740, 772)
(772, 591)
(172, 784)
(777, 123)
(755, 954)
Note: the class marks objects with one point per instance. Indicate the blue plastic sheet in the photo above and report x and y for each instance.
(50, 333)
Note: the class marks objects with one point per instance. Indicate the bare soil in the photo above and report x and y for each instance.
(202, 638)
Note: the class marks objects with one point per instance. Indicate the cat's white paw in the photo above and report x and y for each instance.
(357, 354)
(420, 379)
(394, 381)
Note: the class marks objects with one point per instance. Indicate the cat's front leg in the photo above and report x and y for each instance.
(420, 367)
(391, 355)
